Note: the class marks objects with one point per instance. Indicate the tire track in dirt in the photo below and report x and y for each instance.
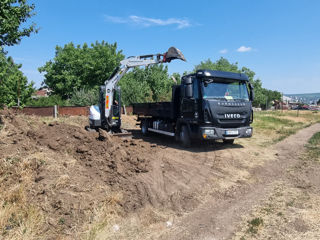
(218, 217)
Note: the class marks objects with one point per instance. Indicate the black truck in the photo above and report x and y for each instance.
(207, 105)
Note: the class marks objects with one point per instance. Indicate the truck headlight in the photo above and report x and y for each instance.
(209, 132)
(249, 131)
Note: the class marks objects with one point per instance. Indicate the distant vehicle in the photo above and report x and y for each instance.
(208, 105)
(314, 108)
(300, 107)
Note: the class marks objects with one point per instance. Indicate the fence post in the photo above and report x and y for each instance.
(55, 111)
(124, 110)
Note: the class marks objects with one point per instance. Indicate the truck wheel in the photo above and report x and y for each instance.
(185, 137)
(228, 141)
(144, 127)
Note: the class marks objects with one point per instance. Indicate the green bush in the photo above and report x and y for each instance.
(85, 97)
(47, 101)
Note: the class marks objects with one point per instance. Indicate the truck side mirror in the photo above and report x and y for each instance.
(251, 92)
(188, 89)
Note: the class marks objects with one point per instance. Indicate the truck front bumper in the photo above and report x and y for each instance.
(225, 133)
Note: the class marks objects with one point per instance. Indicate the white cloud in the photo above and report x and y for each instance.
(244, 49)
(115, 19)
(223, 51)
(147, 22)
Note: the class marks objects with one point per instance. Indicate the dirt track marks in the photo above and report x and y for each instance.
(218, 217)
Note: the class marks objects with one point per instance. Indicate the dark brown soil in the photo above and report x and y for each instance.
(73, 171)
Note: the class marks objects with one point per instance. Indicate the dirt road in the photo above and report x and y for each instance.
(221, 214)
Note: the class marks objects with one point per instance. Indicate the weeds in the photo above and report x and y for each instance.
(280, 214)
(254, 225)
(19, 219)
(313, 147)
(1, 124)
(290, 203)
(104, 216)
(61, 221)
(12, 160)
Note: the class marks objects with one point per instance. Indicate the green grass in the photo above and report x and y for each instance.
(254, 225)
(274, 125)
(315, 139)
(308, 115)
(313, 147)
(277, 125)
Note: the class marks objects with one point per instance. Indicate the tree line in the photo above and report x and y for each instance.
(76, 72)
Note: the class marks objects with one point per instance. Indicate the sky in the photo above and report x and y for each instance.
(278, 40)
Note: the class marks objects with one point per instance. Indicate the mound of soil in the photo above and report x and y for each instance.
(72, 171)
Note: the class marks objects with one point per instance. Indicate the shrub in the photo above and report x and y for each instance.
(85, 97)
(47, 101)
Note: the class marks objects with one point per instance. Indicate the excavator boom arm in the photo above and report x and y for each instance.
(131, 62)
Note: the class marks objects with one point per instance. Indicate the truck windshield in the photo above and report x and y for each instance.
(228, 90)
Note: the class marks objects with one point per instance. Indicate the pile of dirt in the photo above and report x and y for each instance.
(70, 175)
(70, 172)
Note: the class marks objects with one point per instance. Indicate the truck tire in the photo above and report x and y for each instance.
(228, 141)
(185, 136)
(144, 127)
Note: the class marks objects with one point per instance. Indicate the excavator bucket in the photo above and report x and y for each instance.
(172, 54)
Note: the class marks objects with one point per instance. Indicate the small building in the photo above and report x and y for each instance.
(286, 100)
(42, 92)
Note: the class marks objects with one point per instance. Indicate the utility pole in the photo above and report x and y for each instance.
(281, 102)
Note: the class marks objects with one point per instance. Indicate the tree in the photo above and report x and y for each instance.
(263, 97)
(47, 101)
(220, 65)
(14, 13)
(150, 84)
(318, 103)
(74, 68)
(85, 97)
(13, 84)
(135, 88)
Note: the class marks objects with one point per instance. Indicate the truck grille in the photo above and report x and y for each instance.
(231, 122)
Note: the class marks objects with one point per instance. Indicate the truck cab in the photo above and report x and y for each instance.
(216, 105)
(207, 105)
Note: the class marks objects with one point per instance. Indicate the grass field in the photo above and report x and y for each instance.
(275, 126)
(313, 147)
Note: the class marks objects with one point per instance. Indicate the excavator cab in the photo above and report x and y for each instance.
(97, 116)
(115, 117)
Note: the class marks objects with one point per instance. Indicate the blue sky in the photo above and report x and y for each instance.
(279, 40)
